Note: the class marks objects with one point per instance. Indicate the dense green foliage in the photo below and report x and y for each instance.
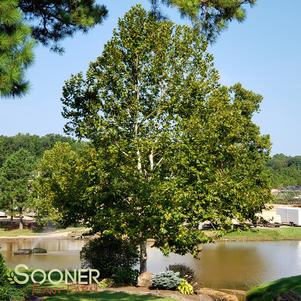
(174, 147)
(49, 21)
(18, 157)
(15, 49)
(125, 276)
(113, 257)
(9, 292)
(3, 271)
(210, 16)
(53, 20)
(63, 176)
(291, 287)
(36, 145)
(15, 174)
(285, 170)
(166, 280)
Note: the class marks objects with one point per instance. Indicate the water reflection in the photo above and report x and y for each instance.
(237, 265)
(61, 253)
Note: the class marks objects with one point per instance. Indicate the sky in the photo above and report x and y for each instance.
(263, 53)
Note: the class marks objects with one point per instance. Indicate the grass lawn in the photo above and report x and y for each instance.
(102, 296)
(17, 232)
(270, 290)
(282, 233)
(27, 232)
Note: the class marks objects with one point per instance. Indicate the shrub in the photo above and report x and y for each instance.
(166, 280)
(7, 291)
(3, 272)
(185, 288)
(125, 276)
(108, 253)
(105, 283)
(184, 271)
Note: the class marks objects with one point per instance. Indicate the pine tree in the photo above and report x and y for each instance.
(53, 20)
(46, 22)
(50, 21)
(210, 17)
(15, 49)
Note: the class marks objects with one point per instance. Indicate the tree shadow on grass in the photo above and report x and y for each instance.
(102, 296)
(269, 291)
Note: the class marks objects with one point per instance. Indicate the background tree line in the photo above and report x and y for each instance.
(20, 154)
(34, 144)
(18, 160)
(285, 170)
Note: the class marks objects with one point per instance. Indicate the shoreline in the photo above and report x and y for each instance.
(284, 233)
(68, 233)
(37, 236)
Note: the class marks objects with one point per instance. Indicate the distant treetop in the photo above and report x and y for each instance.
(285, 171)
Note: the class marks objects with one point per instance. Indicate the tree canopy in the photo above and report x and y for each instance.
(285, 170)
(210, 16)
(19, 155)
(35, 144)
(14, 181)
(53, 20)
(63, 176)
(49, 21)
(15, 49)
(174, 146)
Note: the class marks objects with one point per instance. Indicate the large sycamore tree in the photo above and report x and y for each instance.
(174, 147)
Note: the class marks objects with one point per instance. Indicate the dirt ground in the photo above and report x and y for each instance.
(204, 294)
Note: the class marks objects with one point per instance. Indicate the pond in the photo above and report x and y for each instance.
(238, 265)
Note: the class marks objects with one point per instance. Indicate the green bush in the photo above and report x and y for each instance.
(125, 276)
(108, 254)
(184, 271)
(3, 272)
(166, 280)
(185, 288)
(106, 282)
(8, 291)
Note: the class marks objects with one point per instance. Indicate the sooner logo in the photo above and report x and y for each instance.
(22, 275)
